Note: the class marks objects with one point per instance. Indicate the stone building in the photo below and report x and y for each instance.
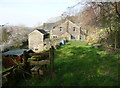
(68, 30)
(49, 26)
(38, 40)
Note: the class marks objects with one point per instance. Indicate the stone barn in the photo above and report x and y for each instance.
(38, 40)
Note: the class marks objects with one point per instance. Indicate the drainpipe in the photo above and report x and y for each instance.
(67, 26)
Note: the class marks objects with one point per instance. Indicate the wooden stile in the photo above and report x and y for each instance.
(39, 63)
(41, 54)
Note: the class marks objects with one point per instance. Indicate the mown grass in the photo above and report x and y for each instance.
(83, 65)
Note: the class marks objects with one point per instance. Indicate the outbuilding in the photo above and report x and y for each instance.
(11, 57)
(38, 40)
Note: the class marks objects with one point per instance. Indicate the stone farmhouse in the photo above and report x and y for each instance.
(69, 31)
(39, 38)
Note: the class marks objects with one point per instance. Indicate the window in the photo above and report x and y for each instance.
(36, 49)
(54, 36)
(53, 27)
(80, 37)
(73, 28)
(60, 28)
(72, 37)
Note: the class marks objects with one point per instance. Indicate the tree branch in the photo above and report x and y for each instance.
(116, 9)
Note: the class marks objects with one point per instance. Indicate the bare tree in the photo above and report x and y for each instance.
(13, 36)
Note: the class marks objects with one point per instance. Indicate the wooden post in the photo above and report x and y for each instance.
(52, 61)
(19, 59)
(25, 58)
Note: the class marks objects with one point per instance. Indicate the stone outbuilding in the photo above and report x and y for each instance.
(38, 40)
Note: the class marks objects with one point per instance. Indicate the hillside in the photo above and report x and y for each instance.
(80, 65)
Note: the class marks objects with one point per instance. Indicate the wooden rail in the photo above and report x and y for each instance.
(50, 54)
(41, 54)
(9, 70)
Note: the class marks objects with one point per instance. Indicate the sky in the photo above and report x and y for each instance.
(31, 13)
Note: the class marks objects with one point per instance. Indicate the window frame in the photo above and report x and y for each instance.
(73, 37)
(60, 28)
(74, 28)
(54, 36)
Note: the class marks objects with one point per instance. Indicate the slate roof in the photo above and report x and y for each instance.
(49, 26)
(42, 31)
(16, 52)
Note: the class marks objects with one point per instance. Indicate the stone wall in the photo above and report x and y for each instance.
(35, 40)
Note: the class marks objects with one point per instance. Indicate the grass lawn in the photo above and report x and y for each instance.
(82, 65)
(77, 41)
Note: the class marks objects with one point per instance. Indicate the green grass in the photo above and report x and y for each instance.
(77, 41)
(82, 65)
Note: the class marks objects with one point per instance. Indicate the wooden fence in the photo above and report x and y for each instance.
(53, 45)
(50, 54)
(26, 55)
(9, 70)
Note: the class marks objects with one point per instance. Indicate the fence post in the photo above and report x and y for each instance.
(25, 58)
(52, 61)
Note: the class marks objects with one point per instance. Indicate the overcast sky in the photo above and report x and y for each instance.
(31, 12)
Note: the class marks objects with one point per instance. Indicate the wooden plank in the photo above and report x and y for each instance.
(34, 62)
(5, 72)
(41, 54)
(35, 71)
(41, 72)
(42, 62)
(36, 68)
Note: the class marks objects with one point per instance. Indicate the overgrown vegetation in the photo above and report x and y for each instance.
(97, 17)
(82, 65)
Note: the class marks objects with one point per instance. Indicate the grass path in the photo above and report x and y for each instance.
(82, 65)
